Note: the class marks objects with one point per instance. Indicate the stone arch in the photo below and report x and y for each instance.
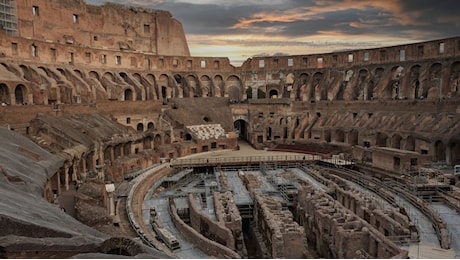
(118, 150)
(289, 83)
(127, 148)
(28, 75)
(94, 74)
(261, 92)
(396, 141)
(393, 90)
(152, 90)
(432, 90)
(317, 92)
(147, 142)
(157, 140)
(301, 87)
(240, 127)
(206, 86)
(381, 140)
(410, 143)
(233, 88)
(167, 139)
(137, 90)
(194, 86)
(439, 151)
(455, 78)
(165, 90)
(20, 94)
(273, 93)
(249, 92)
(414, 91)
(140, 127)
(65, 93)
(5, 97)
(151, 126)
(108, 153)
(128, 94)
(219, 86)
(362, 91)
(184, 89)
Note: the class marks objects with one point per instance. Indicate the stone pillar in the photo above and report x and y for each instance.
(448, 155)
(254, 92)
(110, 189)
(66, 173)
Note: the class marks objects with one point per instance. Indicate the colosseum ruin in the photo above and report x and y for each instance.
(117, 142)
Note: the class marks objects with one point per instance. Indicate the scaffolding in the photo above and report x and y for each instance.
(8, 17)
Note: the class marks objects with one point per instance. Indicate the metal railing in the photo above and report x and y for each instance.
(242, 160)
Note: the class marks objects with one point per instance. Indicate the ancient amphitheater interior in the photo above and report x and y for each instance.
(116, 142)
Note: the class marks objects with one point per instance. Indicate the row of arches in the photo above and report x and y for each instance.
(17, 96)
(47, 85)
(427, 81)
(88, 164)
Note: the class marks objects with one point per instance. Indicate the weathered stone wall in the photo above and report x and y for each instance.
(208, 246)
(226, 212)
(283, 237)
(110, 26)
(336, 232)
(213, 230)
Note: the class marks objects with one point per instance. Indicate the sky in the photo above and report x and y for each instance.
(241, 29)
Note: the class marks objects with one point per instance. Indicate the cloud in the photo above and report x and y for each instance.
(308, 24)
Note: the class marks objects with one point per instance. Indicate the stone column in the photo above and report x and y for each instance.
(110, 189)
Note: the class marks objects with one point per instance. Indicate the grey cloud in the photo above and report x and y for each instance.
(217, 19)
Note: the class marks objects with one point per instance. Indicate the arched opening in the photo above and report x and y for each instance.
(233, 88)
(206, 86)
(147, 142)
(261, 93)
(273, 93)
(249, 93)
(151, 126)
(118, 151)
(302, 86)
(240, 127)
(19, 94)
(193, 85)
(140, 127)
(218, 86)
(128, 95)
(157, 140)
(396, 141)
(127, 148)
(4, 94)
